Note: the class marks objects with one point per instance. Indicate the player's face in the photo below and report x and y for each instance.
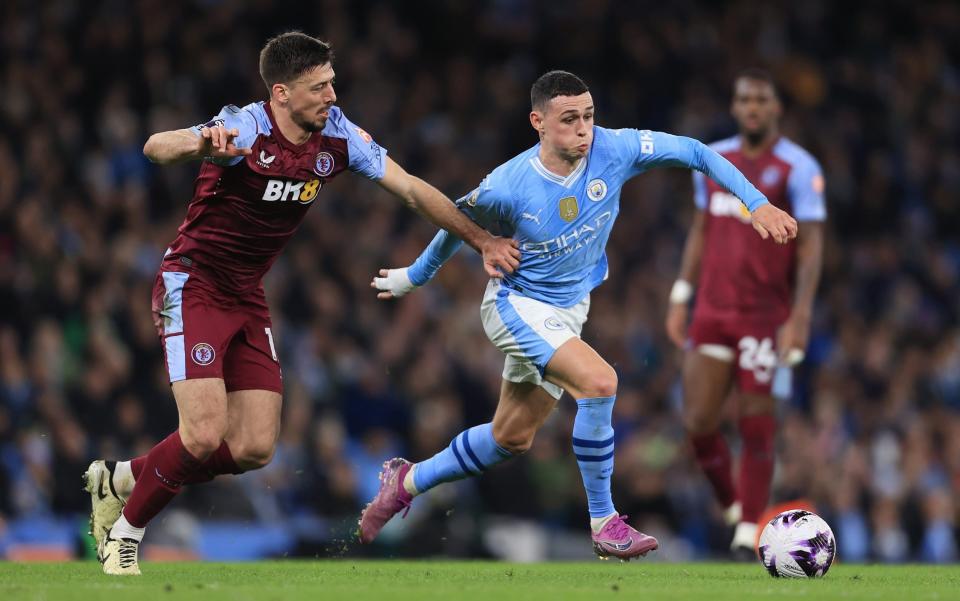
(310, 97)
(566, 125)
(755, 107)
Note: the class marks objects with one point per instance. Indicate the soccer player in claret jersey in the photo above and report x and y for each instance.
(559, 200)
(753, 303)
(263, 165)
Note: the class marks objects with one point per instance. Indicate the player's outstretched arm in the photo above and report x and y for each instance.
(669, 150)
(767, 219)
(499, 254)
(184, 145)
(394, 283)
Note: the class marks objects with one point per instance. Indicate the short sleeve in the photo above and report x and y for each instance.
(232, 117)
(367, 158)
(806, 189)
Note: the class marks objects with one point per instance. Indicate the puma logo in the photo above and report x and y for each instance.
(532, 217)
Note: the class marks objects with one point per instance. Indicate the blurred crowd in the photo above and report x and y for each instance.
(870, 429)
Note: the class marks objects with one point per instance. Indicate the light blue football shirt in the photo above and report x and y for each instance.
(562, 223)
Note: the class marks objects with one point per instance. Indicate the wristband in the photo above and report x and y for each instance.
(794, 356)
(681, 292)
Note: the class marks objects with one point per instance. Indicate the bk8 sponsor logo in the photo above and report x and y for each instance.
(283, 190)
(724, 204)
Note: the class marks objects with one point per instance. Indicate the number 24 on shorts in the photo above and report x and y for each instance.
(758, 356)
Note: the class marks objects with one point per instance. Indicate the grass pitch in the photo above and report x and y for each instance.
(455, 581)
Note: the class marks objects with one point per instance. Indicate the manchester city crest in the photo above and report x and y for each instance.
(597, 190)
(324, 164)
(569, 208)
(552, 323)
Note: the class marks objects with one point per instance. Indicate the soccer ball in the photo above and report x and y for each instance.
(797, 544)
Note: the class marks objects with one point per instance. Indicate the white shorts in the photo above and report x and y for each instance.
(529, 332)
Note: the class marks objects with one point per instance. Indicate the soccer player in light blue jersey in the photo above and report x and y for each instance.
(559, 201)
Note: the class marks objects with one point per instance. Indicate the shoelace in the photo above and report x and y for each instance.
(406, 507)
(618, 528)
(128, 553)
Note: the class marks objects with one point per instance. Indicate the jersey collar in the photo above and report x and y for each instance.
(548, 175)
(278, 135)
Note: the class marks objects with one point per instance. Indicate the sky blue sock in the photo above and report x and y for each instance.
(470, 453)
(593, 446)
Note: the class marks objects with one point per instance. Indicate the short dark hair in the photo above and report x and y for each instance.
(289, 55)
(553, 84)
(757, 74)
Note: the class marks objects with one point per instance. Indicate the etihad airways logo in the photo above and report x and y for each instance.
(571, 241)
(282, 190)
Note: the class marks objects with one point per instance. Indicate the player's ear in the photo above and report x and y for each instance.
(280, 92)
(536, 120)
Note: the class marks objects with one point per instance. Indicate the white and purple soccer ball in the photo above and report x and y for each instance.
(797, 544)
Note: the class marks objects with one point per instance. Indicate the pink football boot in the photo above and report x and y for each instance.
(390, 500)
(619, 539)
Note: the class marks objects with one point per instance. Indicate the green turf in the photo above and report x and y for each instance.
(454, 581)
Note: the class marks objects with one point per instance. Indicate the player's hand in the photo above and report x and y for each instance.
(217, 142)
(500, 255)
(677, 323)
(393, 283)
(768, 220)
(792, 338)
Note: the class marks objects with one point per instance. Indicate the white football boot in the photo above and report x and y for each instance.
(119, 556)
(744, 544)
(105, 501)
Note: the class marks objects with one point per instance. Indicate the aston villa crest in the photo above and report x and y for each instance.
(324, 164)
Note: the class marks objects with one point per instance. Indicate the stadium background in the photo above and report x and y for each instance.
(870, 435)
